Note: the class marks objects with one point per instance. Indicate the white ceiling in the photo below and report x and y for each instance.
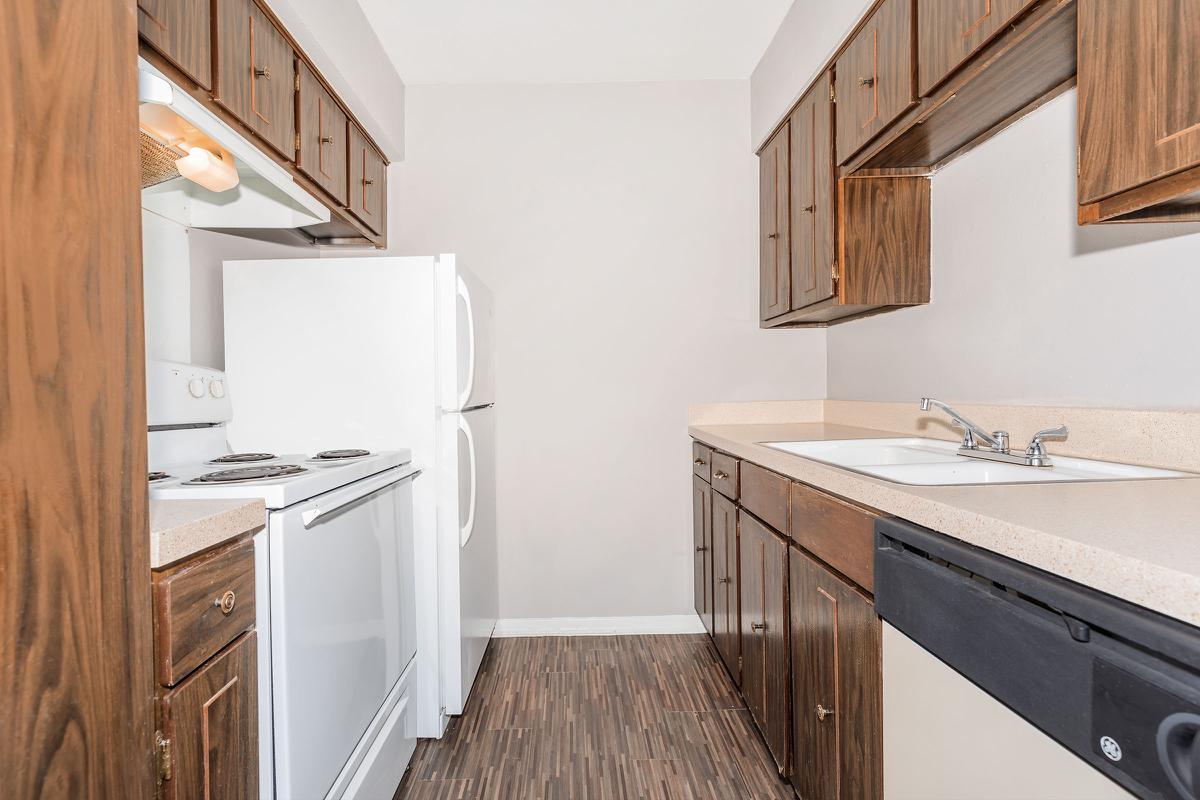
(573, 41)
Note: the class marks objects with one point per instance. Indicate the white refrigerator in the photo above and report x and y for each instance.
(385, 353)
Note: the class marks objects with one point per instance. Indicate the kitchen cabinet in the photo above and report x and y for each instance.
(255, 77)
(812, 219)
(726, 632)
(1139, 119)
(702, 577)
(873, 77)
(951, 31)
(209, 729)
(763, 557)
(368, 182)
(323, 150)
(774, 247)
(725, 473)
(836, 685)
(181, 31)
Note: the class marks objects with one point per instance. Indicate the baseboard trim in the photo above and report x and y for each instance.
(598, 626)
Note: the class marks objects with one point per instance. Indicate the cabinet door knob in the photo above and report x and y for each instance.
(720, 476)
(758, 626)
(865, 82)
(772, 235)
(722, 580)
(807, 209)
(823, 712)
(326, 140)
(368, 182)
(699, 462)
(700, 548)
(225, 602)
(262, 72)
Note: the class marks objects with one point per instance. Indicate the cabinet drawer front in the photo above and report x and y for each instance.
(765, 495)
(323, 129)
(840, 534)
(874, 77)
(368, 174)
(951, 31)
(725, 475)
(202, 607)
(702, 461)
(211, 720)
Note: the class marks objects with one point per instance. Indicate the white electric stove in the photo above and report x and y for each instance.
(334, 589)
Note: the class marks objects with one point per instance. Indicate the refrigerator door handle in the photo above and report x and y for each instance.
(465, 294)
(468, 527)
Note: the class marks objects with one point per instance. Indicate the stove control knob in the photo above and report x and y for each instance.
(217, 388)
(196, 388)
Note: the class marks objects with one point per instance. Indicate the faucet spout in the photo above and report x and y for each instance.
(971, 431)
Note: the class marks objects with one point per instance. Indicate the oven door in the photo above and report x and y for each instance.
(342, 624)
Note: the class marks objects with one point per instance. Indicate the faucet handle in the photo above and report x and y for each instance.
(1036, 451)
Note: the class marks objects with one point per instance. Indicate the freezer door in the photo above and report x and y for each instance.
(469, 553)
(469, 380)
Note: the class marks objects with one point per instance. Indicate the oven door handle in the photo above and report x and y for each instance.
(370, 486)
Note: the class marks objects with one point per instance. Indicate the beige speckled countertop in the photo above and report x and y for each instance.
(1137, 540)
(179, 528)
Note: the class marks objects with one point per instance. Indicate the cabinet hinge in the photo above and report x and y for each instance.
(297, 140)
(833, 273)
(297, 81)
(1078, 153)
(832, 92)
(163, 746)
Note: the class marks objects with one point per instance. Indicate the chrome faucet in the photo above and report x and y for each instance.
(997, 441)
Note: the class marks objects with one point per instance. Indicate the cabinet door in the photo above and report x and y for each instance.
(950, 31)
(256, 73)
(836, 686)
(211, 722)
(726, 630)
(323, 146)
(812, 197)
(765, 657)
(1139, 93)
(368, 182)
(874, 77)
(181, 30)
(702, 495)
(773, 247)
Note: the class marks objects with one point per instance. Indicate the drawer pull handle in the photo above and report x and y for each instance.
(326, 140)
(758, 626)
(722, 580)
(262, 72)
(772, 235)
(823, 712)
(699, 462)
(701, 548)
(808, 209)
(226, 602)
(864, 82)
(720, 476)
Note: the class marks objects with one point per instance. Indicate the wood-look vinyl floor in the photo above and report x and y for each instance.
(599, 718)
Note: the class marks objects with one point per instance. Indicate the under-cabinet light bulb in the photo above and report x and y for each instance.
(214, 173)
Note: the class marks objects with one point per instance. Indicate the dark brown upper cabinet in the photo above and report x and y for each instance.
(765, 667)
(181, 31)
(702, 497)
(774, 247)
(950, 31)
(874, 76)
(836, 686)
(324, 148)
(256, 73)
(368, 178)
(726, 632)
(1139, 110)
(812, 181)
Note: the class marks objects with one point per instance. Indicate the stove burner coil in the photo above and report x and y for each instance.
(244, 474)
(243, 458)
(157, 476)
(334, 455)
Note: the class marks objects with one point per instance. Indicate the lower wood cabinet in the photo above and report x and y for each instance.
(763, 591)
(210, 725)
(702, 495)
(837, 686)
(727, 631)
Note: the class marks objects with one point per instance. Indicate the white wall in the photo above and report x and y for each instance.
(1026, 306)
(616, 224)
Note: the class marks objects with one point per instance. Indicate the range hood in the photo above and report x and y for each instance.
(180, 137)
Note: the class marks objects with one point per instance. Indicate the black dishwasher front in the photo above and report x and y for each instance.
(1116, 684)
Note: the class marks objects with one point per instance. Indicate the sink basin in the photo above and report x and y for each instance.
(933, 462)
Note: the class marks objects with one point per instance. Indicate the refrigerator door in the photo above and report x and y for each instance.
(470, 587)
(467, 323)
